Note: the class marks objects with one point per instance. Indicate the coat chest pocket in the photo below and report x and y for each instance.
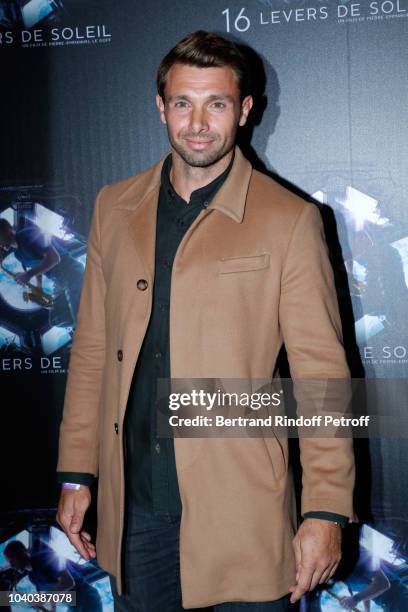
(247, 263)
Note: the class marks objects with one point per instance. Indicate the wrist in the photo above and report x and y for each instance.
(333, 517)
(324, 521)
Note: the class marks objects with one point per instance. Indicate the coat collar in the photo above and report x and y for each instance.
(230, 199)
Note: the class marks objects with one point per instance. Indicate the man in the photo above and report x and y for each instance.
(41, 254)
(31, 247)
(248, 268)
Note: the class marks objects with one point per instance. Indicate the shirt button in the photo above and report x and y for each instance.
(158, 355)
(120, 355)
(157, 448)
(206, 203)
(142, 284)
(116, 428)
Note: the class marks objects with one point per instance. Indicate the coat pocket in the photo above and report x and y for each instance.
(277, 455)
(243, 264)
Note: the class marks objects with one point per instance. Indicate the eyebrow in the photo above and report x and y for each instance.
(210, 98)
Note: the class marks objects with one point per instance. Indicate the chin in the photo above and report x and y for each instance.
(199, 163)
(198, 160)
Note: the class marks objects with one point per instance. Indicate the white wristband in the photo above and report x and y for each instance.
(71, 485)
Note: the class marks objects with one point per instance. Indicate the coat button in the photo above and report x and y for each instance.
(116, 428)
(120, 355)
(142, 284)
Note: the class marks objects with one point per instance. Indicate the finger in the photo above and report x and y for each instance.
(297, 594)
(86, 538)
(64, 518)
(334, 568)
(71, 512)
(77, 543)
(76, 523)
(303, 584)
(71, 523)
(90, 552)
(89, 547)
(328, 572)
(317, 574)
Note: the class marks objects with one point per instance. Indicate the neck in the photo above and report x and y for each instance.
(186, 179)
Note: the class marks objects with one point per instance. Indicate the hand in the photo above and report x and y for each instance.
(22, 278)
(70, 516)
(317, 547)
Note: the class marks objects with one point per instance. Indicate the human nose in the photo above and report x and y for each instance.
(198, 120)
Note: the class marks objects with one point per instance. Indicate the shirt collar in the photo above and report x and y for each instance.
(203, 195)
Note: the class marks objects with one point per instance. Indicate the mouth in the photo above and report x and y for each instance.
(198, 145)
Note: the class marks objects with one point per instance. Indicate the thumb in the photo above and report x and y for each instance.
(76, 524)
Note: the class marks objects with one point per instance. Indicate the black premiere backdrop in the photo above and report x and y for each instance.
(78, 111)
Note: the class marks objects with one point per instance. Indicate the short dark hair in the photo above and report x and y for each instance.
(206, 50)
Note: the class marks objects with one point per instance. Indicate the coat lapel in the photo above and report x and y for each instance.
(138, 204)
(141, 224)
(230, 199)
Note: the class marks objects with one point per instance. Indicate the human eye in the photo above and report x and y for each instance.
(180, 104)
(218, 105)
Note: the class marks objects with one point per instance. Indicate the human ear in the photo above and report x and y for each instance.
(246, 106)
(160, 106)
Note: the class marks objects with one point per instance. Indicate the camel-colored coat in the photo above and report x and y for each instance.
(251, 272)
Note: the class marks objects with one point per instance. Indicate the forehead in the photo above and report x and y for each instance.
(191, 80)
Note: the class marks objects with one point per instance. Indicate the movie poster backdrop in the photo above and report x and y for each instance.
(78, 111)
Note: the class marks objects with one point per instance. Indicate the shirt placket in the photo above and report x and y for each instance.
(166, 499)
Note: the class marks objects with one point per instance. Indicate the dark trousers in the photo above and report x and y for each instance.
(152, 570)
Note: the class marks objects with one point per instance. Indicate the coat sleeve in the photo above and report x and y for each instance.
(79, 429)
(311, 329)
